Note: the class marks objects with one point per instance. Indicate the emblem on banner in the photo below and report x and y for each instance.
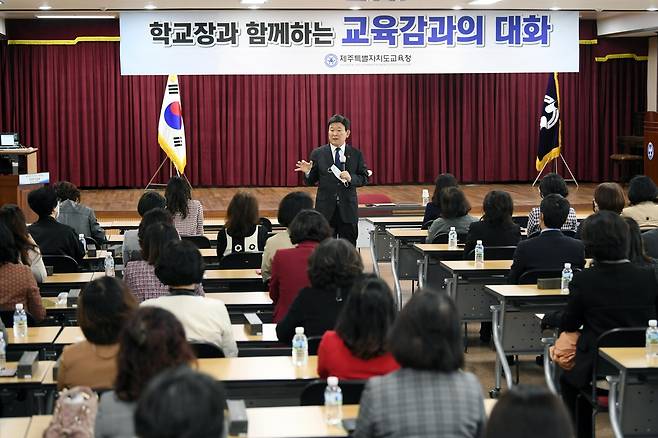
(331, 60)
(650, 151)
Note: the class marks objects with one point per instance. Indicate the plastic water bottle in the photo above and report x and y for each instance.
(83, 241)
(652, 343)
(479, 253)
(20, 322)
(426, 197)
(333, 402)
(452, 238)
(567, 275)
(299, 348)
(109, 265)
(3, 352)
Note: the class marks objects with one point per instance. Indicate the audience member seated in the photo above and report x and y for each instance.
(612, 293)
(18, 284)
(29, 252)
(433, 208)
(206, 320)
(552, 184)
(52, 237)
(152, 341)
(636, 253)
(496, 227)
(140, 275)
(650, 241)
(551, 249)
(242, 230)
(181, 403)
(430, 396)
(607, 196)
(290, 205)
(529, 411)
(187, 212)
(77, 216)
(289, 267)
(642, 198)
(130, 249)
(333, 268)
(454, 213)
(104, 306)
(357, 349)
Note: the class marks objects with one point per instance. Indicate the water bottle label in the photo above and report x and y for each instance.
(298, 343)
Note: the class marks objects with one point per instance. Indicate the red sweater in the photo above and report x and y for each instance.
(289, 276)
(335, 359)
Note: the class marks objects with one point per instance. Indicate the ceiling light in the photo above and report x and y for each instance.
(150, 6)
(355, 8)
(2, 2)
(254, 7)
(652, 9)
(555, 8)
(483, 2)
(457, 8)
(76, 16)
(253, 2)
(45, 7)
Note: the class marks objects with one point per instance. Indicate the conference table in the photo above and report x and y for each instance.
(404, 261)
(213, 224)
(380, 241)
(36, 386)
(431, 254)
(516, 328)
(633, 391)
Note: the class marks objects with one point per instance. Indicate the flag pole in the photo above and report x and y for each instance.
(573, 178)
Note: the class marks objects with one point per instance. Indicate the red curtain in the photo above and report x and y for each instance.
(97, 128)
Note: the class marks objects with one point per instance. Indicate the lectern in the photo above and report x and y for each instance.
(651, 145)
(11, 192)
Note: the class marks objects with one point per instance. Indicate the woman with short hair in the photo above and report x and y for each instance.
(454, 213)
(104, 306)
(187, 212)
(333, 267)
(289, 273)
(433, 208)
(30, 254)
(243, 230)
(643, 208)
(150, 200)
(430, 396)
(152, 341)
(496, 227)
(356, 348)
(76, 215)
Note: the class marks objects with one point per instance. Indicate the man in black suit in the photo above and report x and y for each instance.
(550, 249)
(338, 169)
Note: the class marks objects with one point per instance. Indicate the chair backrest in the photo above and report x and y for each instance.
(374, 198)
(91, 241)
(201, 242)
(313, 344)
(495, 253)
(241, 260)
(61, 263)
(206, 350)
(569, 233)
(266, 223)
(7, 317)
(313, 393)
(531, 276)
(443, 238)
(521, 221)
(427, 224)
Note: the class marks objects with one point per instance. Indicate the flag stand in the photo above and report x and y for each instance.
(151, 183)
(573, 178)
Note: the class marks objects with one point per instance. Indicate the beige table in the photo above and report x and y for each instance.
(41, 374)
(272, 368)
(404, 259)
(35, 335)
(14, 427)
(434, 251)
(232, 274)
(118, 238)
(242, 298)
(69, 278)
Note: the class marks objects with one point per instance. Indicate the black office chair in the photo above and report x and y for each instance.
(266, 223)
(443, 238)
(521, 221)
(313, 393)
(426, 225)
(495, 253)
(200, 242)
(617, 337)
(203, 350)
(7, 317)
(61, 263)
(241, 260)
(91, 241)
(313, 344)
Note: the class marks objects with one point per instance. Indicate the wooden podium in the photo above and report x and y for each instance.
(11, 192)
(651, 145)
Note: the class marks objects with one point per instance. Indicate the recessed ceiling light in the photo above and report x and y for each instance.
(555, 8)
(355, 8)
(150, 6)
(253, 2)
(76, 16)
(45, 7)
(652, 9)
(254, 7)
(457, 8)
(483, 2)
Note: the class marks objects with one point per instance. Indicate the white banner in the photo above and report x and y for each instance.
(347, 42)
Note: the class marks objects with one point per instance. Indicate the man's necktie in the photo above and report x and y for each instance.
(337, 159)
